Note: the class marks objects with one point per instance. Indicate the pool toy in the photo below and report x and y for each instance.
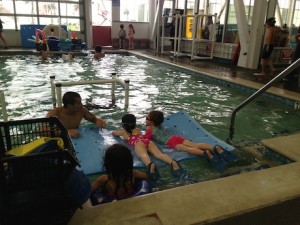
(141, 187)
(55, 38)
(40, 40)
(90, 147)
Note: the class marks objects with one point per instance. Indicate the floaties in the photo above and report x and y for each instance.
(40, 36)
(141, 187)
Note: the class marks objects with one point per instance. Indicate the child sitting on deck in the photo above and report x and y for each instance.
(157, 132)
(142, 145)
(120, 177)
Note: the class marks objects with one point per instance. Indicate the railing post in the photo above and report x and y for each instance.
(52, 79)
(58, 94)
(113, 88)
(3, 106)
(126, 93)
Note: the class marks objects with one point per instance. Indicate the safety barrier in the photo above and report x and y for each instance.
(57, 93)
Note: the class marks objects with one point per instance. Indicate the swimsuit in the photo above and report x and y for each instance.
(266, 53)
(160, 135)
(112, 194)
(133, 139)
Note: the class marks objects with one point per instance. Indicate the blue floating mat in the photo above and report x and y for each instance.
(90, 147)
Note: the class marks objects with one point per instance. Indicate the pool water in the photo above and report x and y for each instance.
(26, 85)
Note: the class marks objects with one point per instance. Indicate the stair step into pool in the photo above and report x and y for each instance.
(288, 146)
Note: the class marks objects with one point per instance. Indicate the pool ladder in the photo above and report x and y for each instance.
(280, 76)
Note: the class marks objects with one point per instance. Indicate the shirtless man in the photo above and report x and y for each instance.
(72, 113)
(269, 43)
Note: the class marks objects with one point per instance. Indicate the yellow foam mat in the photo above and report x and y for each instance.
(30, 147)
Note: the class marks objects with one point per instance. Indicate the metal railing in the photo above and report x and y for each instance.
(57, 93)
(3, 106)
(285, 72)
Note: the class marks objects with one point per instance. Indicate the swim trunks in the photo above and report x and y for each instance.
(266, 53)
(175, 140)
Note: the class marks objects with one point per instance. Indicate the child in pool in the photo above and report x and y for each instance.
(156, 132)
(120, 177)
(98, 52)
(142, 145)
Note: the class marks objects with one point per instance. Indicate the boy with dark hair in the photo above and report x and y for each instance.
(122, 36)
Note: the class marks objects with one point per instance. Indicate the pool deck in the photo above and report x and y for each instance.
(269, 196)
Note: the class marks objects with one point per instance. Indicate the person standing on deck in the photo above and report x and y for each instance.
(269, 43)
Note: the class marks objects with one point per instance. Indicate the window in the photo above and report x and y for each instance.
(101, 12)
(26, 7)
(65, 12)
(133, 10)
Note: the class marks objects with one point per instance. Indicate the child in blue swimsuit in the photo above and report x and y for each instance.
(142, 145)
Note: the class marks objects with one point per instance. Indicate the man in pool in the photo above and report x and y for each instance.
(72, 112)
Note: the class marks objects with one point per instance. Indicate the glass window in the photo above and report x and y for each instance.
(69, 9)
(26, 7)
(24, 20)
(72, 24)
(49, 20)
(133, 10)
(6, 7)
(8, 22)
(101, 12)
(47, 8)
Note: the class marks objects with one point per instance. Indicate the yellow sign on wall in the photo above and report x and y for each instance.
(189, 24)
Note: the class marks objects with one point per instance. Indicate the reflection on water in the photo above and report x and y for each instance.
(26, 84)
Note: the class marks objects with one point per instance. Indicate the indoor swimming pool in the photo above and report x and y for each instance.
(26, 86)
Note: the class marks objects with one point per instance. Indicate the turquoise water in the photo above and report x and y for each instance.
(26, 85)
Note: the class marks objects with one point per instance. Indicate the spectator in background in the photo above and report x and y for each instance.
(131, 33)
(122, 36)
(293, 75)
(269, 43)
(1, 35)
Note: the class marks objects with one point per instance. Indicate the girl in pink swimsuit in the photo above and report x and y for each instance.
(131, 33)
(142, 145)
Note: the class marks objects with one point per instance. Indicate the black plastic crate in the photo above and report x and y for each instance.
(17, 133)
(32, 186)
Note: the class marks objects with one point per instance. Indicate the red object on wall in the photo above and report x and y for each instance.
(101, 36)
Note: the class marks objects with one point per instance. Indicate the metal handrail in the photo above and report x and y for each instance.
(3, 106)
(281, 75)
